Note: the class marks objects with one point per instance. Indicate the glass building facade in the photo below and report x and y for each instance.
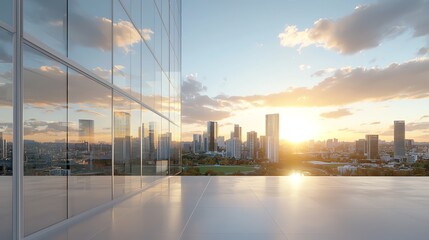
(90, 105)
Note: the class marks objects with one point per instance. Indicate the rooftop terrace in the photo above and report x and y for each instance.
(292, 208)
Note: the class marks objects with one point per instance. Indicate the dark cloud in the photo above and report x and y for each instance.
(336, 114)
(200, 108)
(423, 51)
(365, 28)
(408, 80)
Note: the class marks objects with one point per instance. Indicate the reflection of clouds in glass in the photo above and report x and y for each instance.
(90, 112)
(6, 127)
(94, 33)
(33, 126)
(54, 99)
(125, 35)
(147, 34)
(42, 11)
(52, 69)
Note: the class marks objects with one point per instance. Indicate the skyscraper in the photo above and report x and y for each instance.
(86, 132)
(212, 136)
(399, 140)
(372, 146)
(221, 143)
(233, 148)
(237, 132)
(360, 147)
(252, 144)
(196, 143)
(272, 135)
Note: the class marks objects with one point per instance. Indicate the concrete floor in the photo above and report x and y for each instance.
(292, 208)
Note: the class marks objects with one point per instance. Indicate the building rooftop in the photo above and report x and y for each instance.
(292, 208)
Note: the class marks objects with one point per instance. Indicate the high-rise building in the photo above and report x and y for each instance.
(233, 148)
(399, 140)
(122, 137)
(262, 153)
(272, 137)
(196, 143)
(106, 73)
(237, 132)
(220, 143)
(212, 136)
(372, 146)
(252, 144)
(205, 142)
(360, 147)
(86, 132)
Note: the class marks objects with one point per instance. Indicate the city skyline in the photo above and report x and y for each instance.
(368, 67)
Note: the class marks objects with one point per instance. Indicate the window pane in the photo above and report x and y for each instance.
(6, 133)
(148, 22)
(90, 31)
(127, 161)
(165, 96)
(127, 52)
(6, 10)
(148, 77)
(164, 147)
(121, 53)
(89, 143)
(46, 20)
(149, 132)
(45, 133)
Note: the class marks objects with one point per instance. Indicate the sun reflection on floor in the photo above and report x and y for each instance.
(296, 176)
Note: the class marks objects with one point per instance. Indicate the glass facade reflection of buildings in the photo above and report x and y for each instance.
(90, 105)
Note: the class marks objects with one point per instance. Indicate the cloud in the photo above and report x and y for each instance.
(365, 28)
(33, 126)
(417, 126)
(323, 72)
(198, 107)
(424, 116)
(423, 51)
(408, 80)
(337, 113)
(89, 31)
(90, 112)
(303, 67)
(371, 123)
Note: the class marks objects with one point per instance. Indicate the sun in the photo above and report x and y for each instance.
(298, 129)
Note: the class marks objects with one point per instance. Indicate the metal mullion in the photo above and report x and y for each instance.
(18, 128)
(7, 27)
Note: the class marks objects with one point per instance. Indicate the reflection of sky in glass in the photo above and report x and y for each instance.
(6, 84)
(46, 20)
(88, 100)
(6, 11)
(127, 53)
(44, 98)
(90, 28)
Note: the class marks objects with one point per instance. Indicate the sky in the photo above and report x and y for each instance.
(330, 68)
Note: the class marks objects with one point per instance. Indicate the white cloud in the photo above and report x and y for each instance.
(365, 28)
(303, 67)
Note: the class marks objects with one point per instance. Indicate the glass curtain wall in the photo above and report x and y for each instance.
(101, 104)
(6, 126)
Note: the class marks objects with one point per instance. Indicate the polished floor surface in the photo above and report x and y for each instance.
(292, 208)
